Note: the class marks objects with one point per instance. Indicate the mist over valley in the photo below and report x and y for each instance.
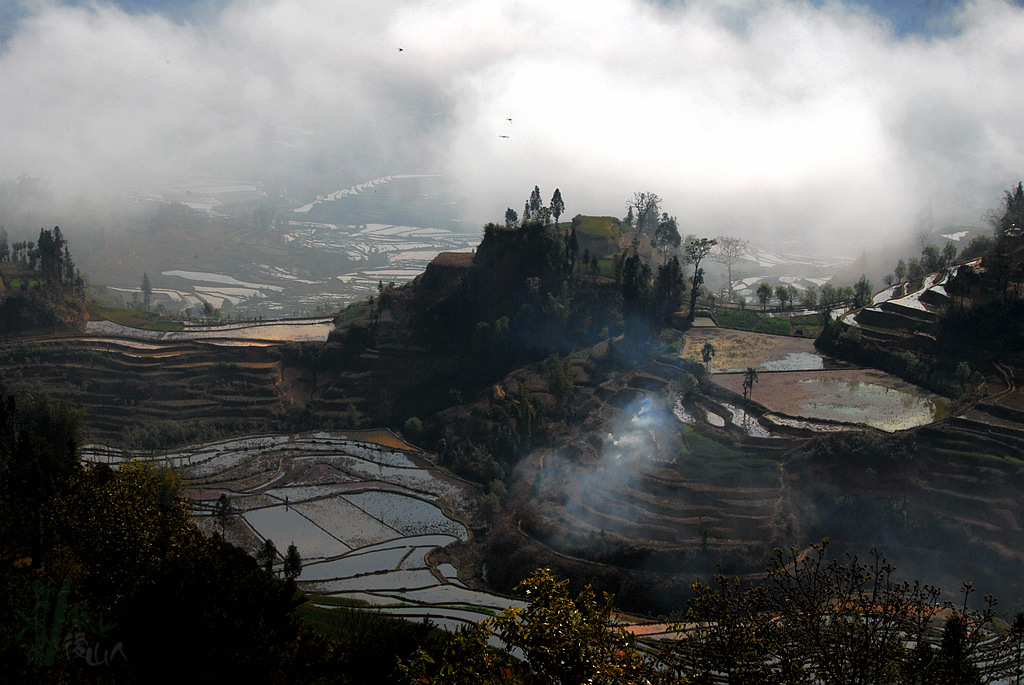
(325, 325)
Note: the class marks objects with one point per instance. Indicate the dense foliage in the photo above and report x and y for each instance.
(810, 619)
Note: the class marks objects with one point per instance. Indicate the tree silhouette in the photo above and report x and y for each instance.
(727, 252)
(533, 206)
(862, 291)
(666, 235)
(644, 208)
(900, 272)
(147, 289)
(784, 294)
(222, 509)
(708, 353)
(764, 293)
(749, 378)
(267, 555)
(695, 250)
(557, 206)
(292, 562)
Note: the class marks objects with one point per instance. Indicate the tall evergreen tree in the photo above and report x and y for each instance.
(292, 562)
(557, 206)
(535, 204)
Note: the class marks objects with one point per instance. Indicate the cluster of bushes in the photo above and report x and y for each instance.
(774, 325)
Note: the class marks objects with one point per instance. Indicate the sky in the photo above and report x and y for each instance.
(815, 121)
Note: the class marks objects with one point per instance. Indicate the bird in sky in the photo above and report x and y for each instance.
(502, 136)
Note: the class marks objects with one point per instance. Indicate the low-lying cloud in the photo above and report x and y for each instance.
(751, 117)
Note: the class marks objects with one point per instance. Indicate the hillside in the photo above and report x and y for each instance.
(602, 452)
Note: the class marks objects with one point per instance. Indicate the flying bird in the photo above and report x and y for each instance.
(400, 49)
(502, 136)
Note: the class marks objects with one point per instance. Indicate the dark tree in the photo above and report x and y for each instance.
(666, 235)
(5, 248)
(292, 562)
(931, 259)
(764, 293)
(900, 272)
(222, 510)
(636, 280)
(50, 254)
(267, 555)
(783, 293)
(511, 218)
(669, 288)
(535, 204)
(749, 378)
(644, 208)
(147, 289)
(695, 250)
(948, 254)
(557, 206)
(1012, 217)
(915, 270)
(976, 248)
(862, 292)
(707, 353)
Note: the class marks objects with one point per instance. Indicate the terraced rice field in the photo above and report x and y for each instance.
(862, 396)
(647, 479)
(363, 515)
(137, 383)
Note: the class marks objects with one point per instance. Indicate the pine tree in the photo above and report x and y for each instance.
(147, 289)
(557, 206)
(292, 562)
(535, 203)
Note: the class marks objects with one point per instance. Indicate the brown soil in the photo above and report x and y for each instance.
(736, 350)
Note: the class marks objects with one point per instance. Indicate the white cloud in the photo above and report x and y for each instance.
(776, 117)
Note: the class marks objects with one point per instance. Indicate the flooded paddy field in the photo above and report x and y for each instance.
(862, 396)
(364, 516)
